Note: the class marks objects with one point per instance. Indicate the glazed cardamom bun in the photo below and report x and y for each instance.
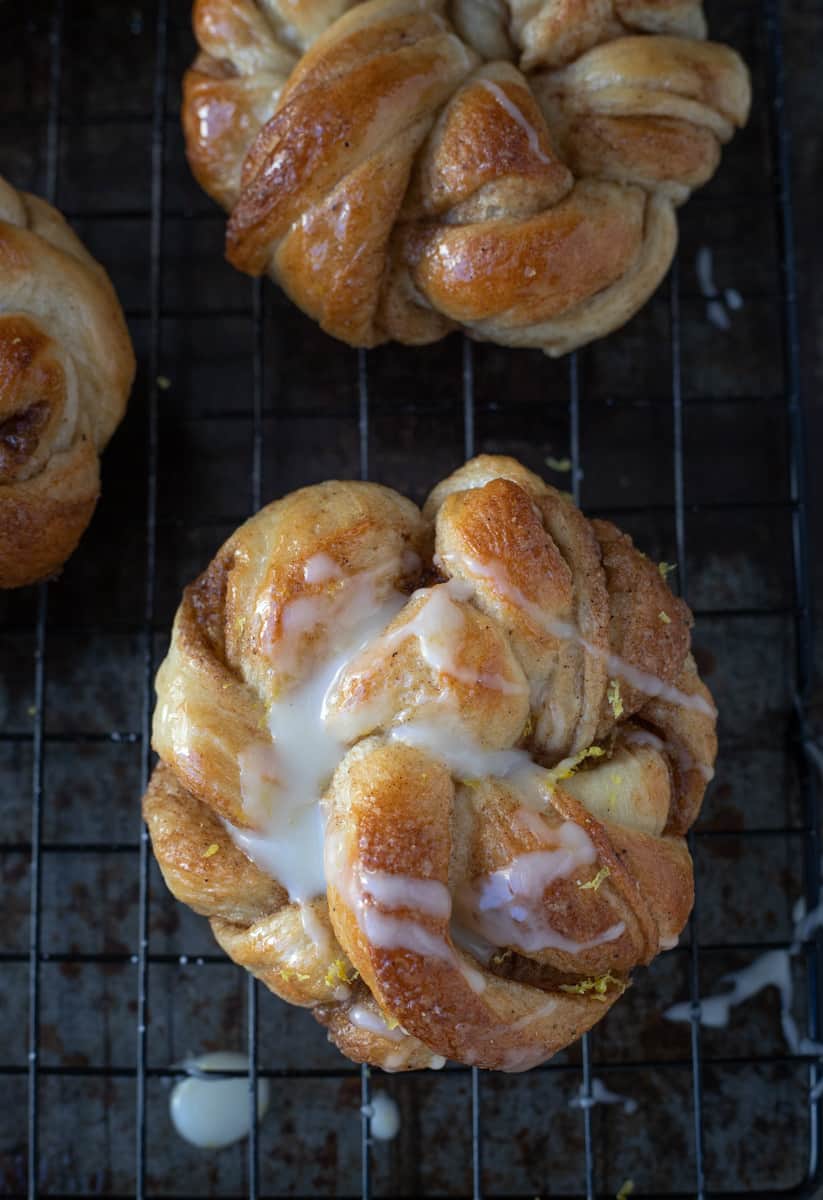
(428, 773)
(511, 168)
(66, 369)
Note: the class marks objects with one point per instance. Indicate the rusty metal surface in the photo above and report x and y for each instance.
(739, 570)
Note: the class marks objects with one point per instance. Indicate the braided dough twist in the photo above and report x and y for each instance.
(390, 166)
(429, 773)
(66, 369)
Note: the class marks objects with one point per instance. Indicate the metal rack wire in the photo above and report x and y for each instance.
(142, 1073)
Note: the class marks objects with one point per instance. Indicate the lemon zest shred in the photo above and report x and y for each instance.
(666, 568)
(391, 1022)
(337, 974)
(285, 974)
(567, 766)
(559, 464)
(614, 698)
(664, 617)
(595, 988)
(211, 850)
(592, 885)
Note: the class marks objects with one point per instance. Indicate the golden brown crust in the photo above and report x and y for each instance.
(521, 747)
(66, 366)
(400, 179)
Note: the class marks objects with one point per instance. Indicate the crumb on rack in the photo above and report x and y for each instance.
(559, 464)
(626, 1190)
(614, 698)
(593, 884)
(595, 988)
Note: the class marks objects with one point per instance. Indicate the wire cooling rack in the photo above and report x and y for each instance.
(688, 435)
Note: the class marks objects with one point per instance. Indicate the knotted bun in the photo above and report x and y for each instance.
(404, 168)
(429, 773)
(66, 368)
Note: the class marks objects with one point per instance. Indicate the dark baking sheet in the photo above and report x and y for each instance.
(688, 436)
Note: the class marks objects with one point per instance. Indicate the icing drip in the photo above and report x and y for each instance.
(772, 969)
(600, 1094)
(517, 116)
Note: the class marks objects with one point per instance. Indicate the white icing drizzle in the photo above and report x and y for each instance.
(522, 1058)
(438, 625)
(214, 1112)
(321, 568)
(505, 907)
(282, 783)
(364, 1018)
(402, 891)
(385, 930)
(643, 682)
(517, 116)
(315, 930)
(642, 737)
(403, 933)
(600, 1094)
(461, 754)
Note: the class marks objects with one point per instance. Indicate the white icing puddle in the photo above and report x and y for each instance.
(600, 1094)
(214, 1112)
(719, 305)
(384, 1117)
